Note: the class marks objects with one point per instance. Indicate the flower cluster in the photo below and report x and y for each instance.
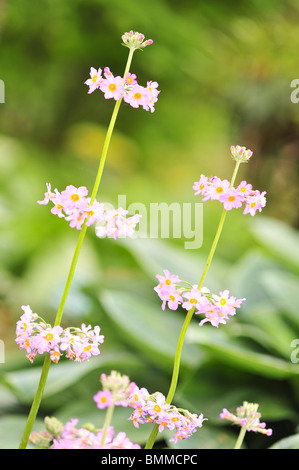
(247, 416)
(118, 390)
(37, 337)
(127, 87)
(154, 409)
(240, 154)
(74, 205)
(134, 40)
(232, 198)
(216, 308)
(69, 436)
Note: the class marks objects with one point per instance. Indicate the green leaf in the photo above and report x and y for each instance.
(291, 442)
(283, 289)
(61, 376)
(11, 430)
(279, 238)
(154, 256)
(240, 356)
(153, 331)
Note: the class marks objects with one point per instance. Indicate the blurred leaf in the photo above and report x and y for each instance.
(245, 279)
(279, 238)
(283, 289)
(11, 430)
(61, 376)
(154, 256)
(207, 437)
(291, 442)
(240, 356)
(149, 329)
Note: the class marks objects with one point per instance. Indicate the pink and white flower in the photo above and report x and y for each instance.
(112, 87)
(95, 79)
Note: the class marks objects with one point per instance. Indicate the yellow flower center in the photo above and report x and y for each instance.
(253, 204)
(87, 348)
(167, 282)
(49, 336)
(75, 197)
(103, 399)
(193, 301)
(172, 297)
(243, 189)
(27, 343)
(219, 189)
(112, 87)
(59, 206)
(222, 301)
(137, 96)
(129, 80)
(201, 186)
(231, 198)
(157, 408)
(94, 78)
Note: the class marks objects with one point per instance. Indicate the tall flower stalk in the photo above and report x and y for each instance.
(199, 299)
(81, 212)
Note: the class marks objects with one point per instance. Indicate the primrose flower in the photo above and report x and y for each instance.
(247, 416)
(231, 199)
(115, 223)
(216, 189)
(154, 409)
(137, 96)
(37, 337)
(216, 308)
(112, 87)
(130, 79)
(95, 79)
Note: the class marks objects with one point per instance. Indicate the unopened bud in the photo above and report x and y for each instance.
(240, 154)
(134, 40)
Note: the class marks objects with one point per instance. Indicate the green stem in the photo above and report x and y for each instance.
(240, 437)
(108, 419)
(177, 357)
(46, 366)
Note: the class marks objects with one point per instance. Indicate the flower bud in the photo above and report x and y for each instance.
(134, 40)
(240, 154)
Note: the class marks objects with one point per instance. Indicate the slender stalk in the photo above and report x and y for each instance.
(177, 357)
(46, 366)
(240, 437)
(108, 419)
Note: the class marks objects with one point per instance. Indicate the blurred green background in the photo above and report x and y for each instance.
(224, 71)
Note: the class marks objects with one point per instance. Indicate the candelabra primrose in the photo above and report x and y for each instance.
(81, 211)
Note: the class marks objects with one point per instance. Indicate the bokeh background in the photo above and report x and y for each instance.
(224, 70)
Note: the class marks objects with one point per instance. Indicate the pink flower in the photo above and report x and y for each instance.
(112, 87)
(201, 186)
(137, 96)
(244, 188)
(153, 92)
(73, 197)
(216, 189)
(130, 79)
(48, 195)
(103, 399)
(193, 299)
(47, 339)
(95, 79)
(231, 199)
(157, 406)
(168, 280)
(173, 298)
(255, 202)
